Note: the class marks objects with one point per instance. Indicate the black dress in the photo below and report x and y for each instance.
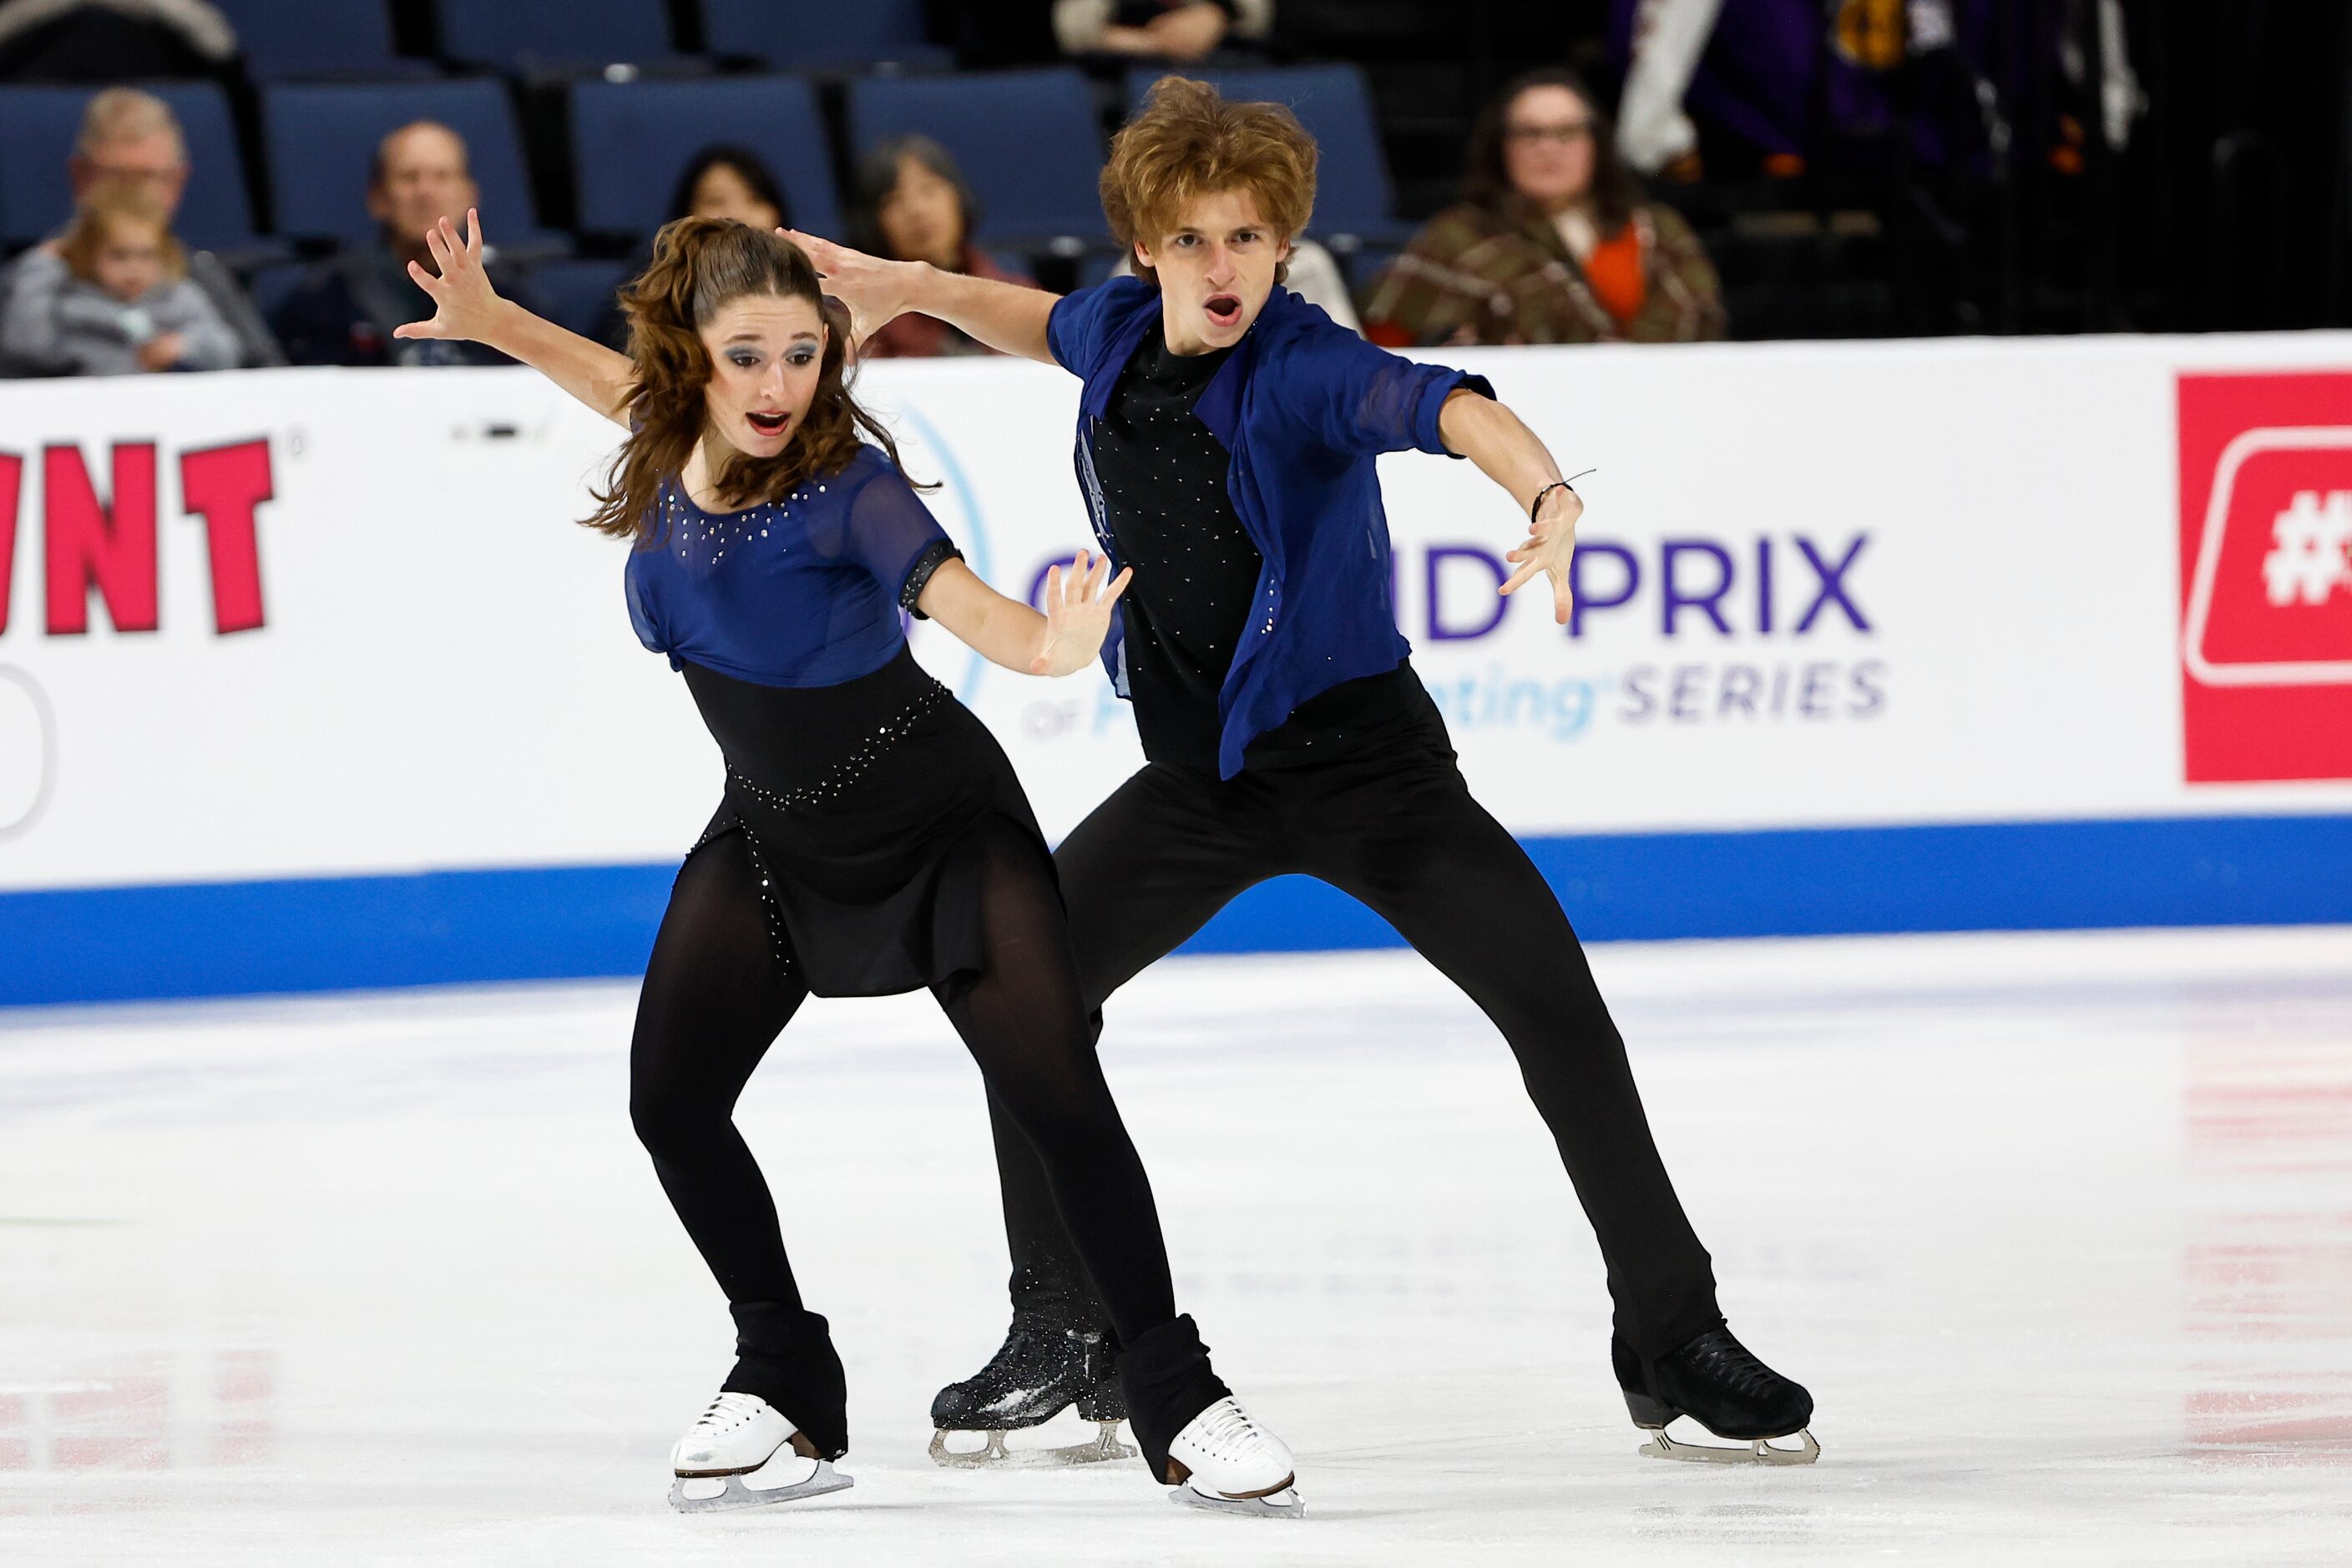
(864, 787)
(859, 801)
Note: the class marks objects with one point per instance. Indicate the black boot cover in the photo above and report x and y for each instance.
(1168, 1381)
(785, 1355)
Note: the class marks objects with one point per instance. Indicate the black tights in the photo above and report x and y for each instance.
(1393, 824)
(716, 993)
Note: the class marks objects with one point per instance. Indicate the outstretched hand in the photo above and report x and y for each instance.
(875, 291)
(464, 306)
(1550, 546)
(1078, 605)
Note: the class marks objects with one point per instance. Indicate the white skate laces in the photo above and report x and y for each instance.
(1224, 1459)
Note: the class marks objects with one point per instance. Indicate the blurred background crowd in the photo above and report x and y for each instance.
(191, 184)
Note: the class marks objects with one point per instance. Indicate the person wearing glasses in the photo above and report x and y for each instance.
(1553, 240)
(129, 142)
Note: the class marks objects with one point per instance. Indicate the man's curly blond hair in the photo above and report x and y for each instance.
(1190, 142)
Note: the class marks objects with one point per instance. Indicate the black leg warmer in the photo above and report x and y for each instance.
(1168, 1381)
(786, 1357)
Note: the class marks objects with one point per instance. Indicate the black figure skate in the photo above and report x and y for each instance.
(1042, 1369)
(1715, 1382)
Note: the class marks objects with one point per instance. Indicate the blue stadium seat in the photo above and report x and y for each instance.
(38, 126)
(630, 141)
(312, 40)
(1354, 201)
(577, 291)
(1028, 142)
(823, 33)
(320, 142)
(509, 34)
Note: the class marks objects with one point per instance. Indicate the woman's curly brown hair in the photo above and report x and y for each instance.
(1189, 141)
(700, 267)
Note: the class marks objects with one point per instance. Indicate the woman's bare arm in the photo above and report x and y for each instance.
(1078, 603)
(464, 306)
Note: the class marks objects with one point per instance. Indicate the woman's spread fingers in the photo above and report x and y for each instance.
(1119, 584)
(474, 234)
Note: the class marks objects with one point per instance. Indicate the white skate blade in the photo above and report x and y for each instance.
(787, 1478)
(1759, 1451)
(1283, 1504)
(994, 1455)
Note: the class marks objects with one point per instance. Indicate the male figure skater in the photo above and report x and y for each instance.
(1226, 438)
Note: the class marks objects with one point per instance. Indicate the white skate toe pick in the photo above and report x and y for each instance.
(742, 1453)
(1224, 1461)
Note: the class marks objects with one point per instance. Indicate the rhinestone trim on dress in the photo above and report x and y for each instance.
(851, 768)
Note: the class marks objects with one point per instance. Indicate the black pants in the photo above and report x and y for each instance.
(716, 993)
(1392, 822)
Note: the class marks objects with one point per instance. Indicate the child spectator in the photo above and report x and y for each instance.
(127, 305)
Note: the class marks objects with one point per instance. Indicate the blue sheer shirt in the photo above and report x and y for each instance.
(1304, 407)
(804, 591)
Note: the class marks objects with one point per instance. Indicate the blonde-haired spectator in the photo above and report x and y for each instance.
(132, 140)
(127, 305)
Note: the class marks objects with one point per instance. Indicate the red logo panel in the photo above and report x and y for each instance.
(2267, 576)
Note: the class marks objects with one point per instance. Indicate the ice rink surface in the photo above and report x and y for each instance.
(2058, 1230)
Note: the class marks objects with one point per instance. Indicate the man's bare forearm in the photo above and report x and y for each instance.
(1008, 317)
(1499, 442)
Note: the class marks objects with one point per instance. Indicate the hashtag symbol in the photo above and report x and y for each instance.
(2312, 554)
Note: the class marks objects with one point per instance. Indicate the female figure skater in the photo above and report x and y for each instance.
(872, 837)
(1227, 431)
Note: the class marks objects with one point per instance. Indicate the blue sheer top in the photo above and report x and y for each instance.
(801, 591)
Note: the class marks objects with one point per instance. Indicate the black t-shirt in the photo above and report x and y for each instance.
(1196, 571)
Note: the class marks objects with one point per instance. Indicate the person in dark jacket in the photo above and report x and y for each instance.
(344, 311)
(1226, 443)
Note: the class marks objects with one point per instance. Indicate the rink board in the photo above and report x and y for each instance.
(307, 681)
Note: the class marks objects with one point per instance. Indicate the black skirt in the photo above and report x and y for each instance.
(866, 805)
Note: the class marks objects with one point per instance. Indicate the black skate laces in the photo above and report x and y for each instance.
(729, 1411)
(1725, 1361)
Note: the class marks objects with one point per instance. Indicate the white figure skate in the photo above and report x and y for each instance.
(1226, 1461)
(742, 1453)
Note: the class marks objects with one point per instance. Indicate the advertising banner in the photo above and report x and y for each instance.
(307, 628)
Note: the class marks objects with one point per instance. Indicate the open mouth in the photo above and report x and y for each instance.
(1225, 310)
(769, 424)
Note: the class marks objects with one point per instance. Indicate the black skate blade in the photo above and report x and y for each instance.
(723, 1494)
(1105, 1447)
(1755, 1451)
(1284, 1504)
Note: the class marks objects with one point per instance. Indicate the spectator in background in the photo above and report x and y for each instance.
(344, 311)
(131, 139)
(128, 305)
(721, 181)
(1179, 30)
(913, 204)
(1553, 241)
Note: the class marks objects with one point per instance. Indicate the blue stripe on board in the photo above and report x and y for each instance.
(444, 927)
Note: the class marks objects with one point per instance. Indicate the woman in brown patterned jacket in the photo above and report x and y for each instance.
(1553, 241)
